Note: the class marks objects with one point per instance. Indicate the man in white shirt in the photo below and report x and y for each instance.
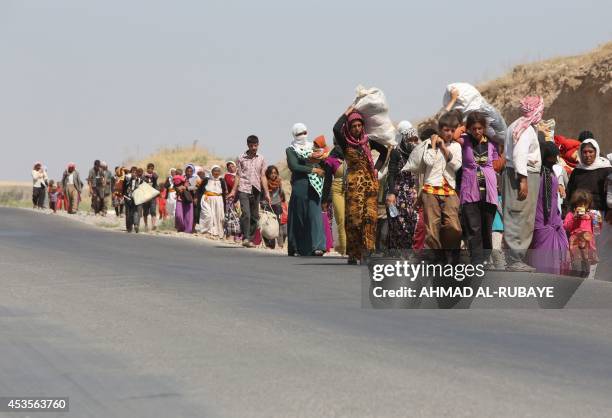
(439, 198)
(521, 182)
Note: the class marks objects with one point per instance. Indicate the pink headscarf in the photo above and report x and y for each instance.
(532, 110)
(361, 142)
(178, 180)
(71, 164)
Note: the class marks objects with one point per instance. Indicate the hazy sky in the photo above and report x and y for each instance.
(81, 80)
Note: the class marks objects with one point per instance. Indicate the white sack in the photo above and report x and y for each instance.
(372, 104)
(144, 193)
(471, 100)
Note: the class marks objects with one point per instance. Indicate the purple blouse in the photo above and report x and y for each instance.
(469, 183)
(334, 163)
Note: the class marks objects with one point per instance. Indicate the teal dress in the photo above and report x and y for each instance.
(304, 225)
(498, 224)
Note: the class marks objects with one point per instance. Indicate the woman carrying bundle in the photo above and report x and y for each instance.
(304, 228)
(361, 183)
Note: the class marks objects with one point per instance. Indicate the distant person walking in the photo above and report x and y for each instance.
(108, 181)
(335, 173)
(72, 185)
(150, 207)
(132, 211)
(170, 193)
(249, 185)
(230, 174)
(213, 202)
(96, 182)
(39, 185)
(185, 195)
(117, 192)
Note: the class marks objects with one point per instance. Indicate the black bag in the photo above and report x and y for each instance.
(187, 196)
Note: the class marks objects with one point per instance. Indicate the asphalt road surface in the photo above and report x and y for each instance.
(138, 326)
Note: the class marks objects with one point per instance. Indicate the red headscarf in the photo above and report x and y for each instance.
(362, 141)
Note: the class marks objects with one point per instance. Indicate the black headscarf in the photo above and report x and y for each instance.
(337, 151)
(405, 148)
(548, 150)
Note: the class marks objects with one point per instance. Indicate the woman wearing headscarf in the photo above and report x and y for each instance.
(334, 191)
(478, 193)
(361, 183)
(198, 178)
(275, 189)
(170, 193)
(590, 175)
(304, 227)
(230, 174)
(213, 192)
(185, 195)
(402, 191)
(568, 149)
(549, 245)
(320, 155)
(39, 185)
(117, 183)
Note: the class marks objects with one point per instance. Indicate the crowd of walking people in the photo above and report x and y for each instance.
(525, 199)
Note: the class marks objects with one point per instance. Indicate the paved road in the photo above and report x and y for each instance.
(141, 326)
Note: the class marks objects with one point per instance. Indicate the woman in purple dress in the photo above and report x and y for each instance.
(478, 192)
(549, 246)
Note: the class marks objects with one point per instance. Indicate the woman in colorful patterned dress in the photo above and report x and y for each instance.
(402, 192)
(361, 183)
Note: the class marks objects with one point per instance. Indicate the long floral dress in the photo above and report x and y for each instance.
(402, 227)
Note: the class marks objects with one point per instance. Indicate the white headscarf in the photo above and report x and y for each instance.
(406, 129)
(213, 169)
(600, 162)
(300, 137)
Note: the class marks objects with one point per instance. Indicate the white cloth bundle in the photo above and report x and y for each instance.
(471, 100)
(372, 105)
(144, 193)
(268, 224)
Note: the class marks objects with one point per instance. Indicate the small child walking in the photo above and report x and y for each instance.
(53, 196)
(282, 232)
(582, 224)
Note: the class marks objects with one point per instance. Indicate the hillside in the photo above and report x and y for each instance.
(577, 92)
(177, 157)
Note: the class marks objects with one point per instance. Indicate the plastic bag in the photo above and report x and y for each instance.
(232, 221)
(144, 193)
(268, 224)
(372, 104)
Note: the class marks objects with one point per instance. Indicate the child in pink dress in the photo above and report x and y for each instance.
(579, 224)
